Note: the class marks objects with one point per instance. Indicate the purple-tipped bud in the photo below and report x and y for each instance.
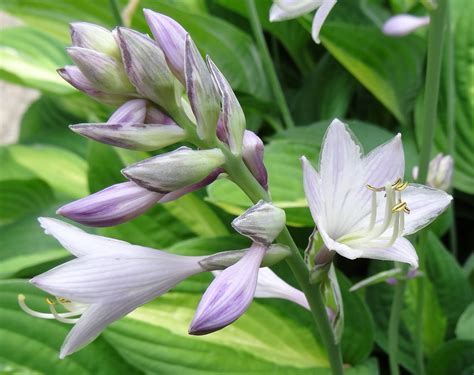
(440, 172)
(94, 37)
(403, 24)
(114, 205)
(252, 154)
(171, 38)
(104, 72)
(142, 137)
(72, 75)
(232, 118)
(132, 112)
(146, 67)
(202, 92)
(175, 170)
(229, 294)
(155, 116)
(262, 223)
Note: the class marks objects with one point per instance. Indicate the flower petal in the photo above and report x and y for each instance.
(131, 112)
(403, 24)
(401, 251)
(425, 205)
(229, 294)
(112, 277)
(320, 17)
(283, 10)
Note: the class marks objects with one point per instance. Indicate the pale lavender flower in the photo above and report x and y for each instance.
(175, 170)
(107, 280)
(404, 24)
(440, 172)
(282, 10)
(360, 204)
(252, 153)
(229, 294)
(171, 37)
(93, 37)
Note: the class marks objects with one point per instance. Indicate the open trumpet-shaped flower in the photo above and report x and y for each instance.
(107, 280)
(360, 204)
(282, 10)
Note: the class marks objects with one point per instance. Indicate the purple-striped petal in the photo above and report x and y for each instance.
(202, 92)
(229, 294)
(252, 154)
(146, 67)
(175, 170)
(171, 38)
(131, 112)
(232, 118)
(114, 205)
(155, 116)
(143, 137)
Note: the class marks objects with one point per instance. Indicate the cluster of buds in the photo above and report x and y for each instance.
(166, 94)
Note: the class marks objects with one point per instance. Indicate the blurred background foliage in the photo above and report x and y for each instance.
(357, 74)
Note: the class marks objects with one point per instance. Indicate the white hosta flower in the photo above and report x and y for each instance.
(440, 172)
(360, 204)
(108, 279)
(283, 10)
(404, 24)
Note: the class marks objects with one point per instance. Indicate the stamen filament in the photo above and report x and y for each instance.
(60, 317)
(37, 314)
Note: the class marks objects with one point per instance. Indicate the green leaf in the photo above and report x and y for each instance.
(455, 357)
(33, 344)
(465, 326)
(390, 68)
(450, 284)
(197, 216)
(63, 170)
(154, 338)
(19, 198)
(104, 166)
(30, 58)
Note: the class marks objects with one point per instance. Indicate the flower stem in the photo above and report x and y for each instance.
(394, 326)
(240, 174)
(268, 64)
(115, 8)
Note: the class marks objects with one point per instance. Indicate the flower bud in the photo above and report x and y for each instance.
(232, 118)
(229, 295)
(252, 154)
(171, 38)
(440, 172)
(175, 170)
(132, 112)
(202, 93)
(262, 223)
(94, 37)
(112, 206)
(222, 260)
(146, 67)
(403, 24)
(155, 116)
(104, 72)
(72, 75)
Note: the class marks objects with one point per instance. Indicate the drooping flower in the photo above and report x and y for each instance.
(229, 295)
(282, 10)
(440, 172)
(360, 204)
(107, 280)
(404, 24)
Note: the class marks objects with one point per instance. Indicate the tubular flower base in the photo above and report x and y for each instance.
(360, 204)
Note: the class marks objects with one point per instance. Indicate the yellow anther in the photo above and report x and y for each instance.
(373, 188)
(50, 302)
(401, 186)
(402, 206)
(396, 183)
(63, 300)
(406, 210)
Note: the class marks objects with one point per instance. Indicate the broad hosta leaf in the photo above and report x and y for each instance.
(390, 68)
(462, 19)
(46, 122)
(455, 357)
(104, 166)
(282, 158)
(465, 326)
(450, 284)
(32, 344)
(30, 58)
(21, 197)
(63, 170)
(155, 339)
